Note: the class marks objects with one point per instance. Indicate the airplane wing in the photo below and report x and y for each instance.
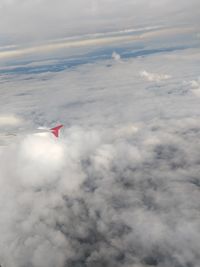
(8, 137)
(55, 130)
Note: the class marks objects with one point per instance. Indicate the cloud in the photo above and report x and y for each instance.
(154, 77)
(195, 85)
(69, 18)
(121, 185)
(78, 42)
(55, 49)
(95, 197)
(10, 120)
(116, 56)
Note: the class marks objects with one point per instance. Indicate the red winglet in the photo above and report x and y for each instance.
(56, 129)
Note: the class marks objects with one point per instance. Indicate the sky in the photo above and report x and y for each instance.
(29, 22)
(120, 187)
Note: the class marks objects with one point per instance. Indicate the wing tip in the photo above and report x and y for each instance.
(55, 130)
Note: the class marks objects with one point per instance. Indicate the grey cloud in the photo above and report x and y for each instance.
(25, 21)
(121, 185)
(100, 199)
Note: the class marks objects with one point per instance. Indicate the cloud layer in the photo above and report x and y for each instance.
(121, 185)
(24, 21)
(114, 197)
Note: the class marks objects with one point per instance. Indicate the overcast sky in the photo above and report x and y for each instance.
(28, 21)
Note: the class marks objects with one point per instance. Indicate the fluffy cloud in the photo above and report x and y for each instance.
(116, 56)
(153, 77)
(195, 85)
(100, 198)
(121, 185)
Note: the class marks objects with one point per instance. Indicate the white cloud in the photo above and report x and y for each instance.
(116, 56)
(154, 77)
(195, 87)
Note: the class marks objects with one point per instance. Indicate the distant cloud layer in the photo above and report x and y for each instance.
(24, 21)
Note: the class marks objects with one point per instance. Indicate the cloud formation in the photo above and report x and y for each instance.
(116, 56)
(154, 77)
(121, 185)
(97, 198)
(195, 85)
(24, 21)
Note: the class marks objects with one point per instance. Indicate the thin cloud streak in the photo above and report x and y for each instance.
(45, 48)
(27, 21)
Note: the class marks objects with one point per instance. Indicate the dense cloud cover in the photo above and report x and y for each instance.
(121, 185)
(126, 196)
